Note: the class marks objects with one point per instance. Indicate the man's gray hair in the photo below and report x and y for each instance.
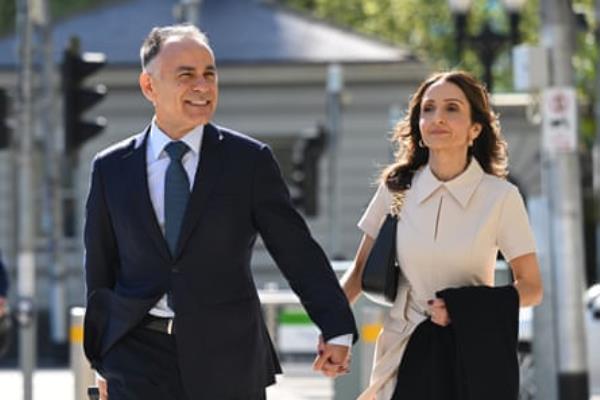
(158, 35)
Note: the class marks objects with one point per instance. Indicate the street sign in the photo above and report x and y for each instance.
(559, 113)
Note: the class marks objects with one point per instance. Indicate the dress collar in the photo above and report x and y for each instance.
(158, 140)
(461, 187)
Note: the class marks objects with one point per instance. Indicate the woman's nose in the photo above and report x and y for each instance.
(439, 117)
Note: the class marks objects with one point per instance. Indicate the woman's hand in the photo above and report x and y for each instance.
(438, 312)
(102, 387)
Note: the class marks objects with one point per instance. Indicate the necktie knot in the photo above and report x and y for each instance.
(176, 150)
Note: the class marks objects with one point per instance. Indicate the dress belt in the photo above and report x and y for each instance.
(158, 324)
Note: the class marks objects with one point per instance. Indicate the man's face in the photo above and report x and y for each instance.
(181, 83)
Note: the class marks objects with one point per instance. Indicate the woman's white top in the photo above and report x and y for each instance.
(449, 234)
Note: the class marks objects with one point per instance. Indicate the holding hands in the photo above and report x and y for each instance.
(332, 359)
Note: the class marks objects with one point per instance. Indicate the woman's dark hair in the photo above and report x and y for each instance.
(489, 148)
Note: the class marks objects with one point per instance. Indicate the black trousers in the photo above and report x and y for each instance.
(143, 365)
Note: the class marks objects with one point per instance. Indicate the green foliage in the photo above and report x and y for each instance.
(427, 29)
(58, 9)
(7, 16)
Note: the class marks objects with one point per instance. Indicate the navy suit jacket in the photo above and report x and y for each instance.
(238, 193)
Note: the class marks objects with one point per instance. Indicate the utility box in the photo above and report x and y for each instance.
(530, 68)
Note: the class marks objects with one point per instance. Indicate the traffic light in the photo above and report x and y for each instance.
(4, 129)
(305, 174)
(78, 99)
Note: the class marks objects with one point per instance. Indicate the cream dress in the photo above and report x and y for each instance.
(448, 235)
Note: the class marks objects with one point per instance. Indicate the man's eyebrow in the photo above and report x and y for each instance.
(187, 68)
(184, 68)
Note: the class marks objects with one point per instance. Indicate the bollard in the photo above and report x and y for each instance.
(371, 325)
(83, 374)
(369, 318)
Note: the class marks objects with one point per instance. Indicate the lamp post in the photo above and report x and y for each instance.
(487, 43)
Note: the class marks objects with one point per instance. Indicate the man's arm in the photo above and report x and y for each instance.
(299, 257)
(101, 256)
(101, 253)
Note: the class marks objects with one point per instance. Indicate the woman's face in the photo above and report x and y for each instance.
(445, 120)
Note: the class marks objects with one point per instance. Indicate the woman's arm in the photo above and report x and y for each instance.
(351, 281)
(527, 279)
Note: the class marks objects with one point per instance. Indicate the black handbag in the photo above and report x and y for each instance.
(382, 271)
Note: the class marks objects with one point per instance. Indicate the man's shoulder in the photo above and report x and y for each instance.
(239, 138)
(122, 147)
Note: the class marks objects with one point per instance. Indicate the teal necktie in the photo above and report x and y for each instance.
(177, 193)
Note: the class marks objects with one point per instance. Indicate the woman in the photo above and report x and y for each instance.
(456, 211)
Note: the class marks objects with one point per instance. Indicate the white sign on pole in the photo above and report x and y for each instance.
(559, 120)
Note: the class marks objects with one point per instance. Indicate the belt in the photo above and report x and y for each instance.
(158, 324)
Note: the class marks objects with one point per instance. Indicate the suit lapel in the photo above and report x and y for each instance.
(207, 174)
(137, 181)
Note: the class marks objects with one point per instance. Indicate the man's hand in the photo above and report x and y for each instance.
(333, 359)
(102, 387)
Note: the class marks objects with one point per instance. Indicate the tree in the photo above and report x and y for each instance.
(58, 9)
(427, 29)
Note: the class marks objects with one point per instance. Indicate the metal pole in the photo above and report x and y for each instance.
(562, 182)
(188, 11)
(596, 150)
(545, 345)
(335, 84)
(52, 184)
(26, 211)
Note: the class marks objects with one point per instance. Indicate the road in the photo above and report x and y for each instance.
(299, 383)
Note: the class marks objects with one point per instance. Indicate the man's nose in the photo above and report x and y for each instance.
(200, 84)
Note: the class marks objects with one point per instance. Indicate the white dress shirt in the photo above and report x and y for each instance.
(157, 161)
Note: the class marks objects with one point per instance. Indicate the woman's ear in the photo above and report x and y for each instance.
(475, 131)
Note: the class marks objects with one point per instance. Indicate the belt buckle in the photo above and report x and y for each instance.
(170, 326)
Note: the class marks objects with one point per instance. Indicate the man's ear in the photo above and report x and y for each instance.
(146, 86)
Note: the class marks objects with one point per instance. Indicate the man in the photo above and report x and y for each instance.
(171, 220)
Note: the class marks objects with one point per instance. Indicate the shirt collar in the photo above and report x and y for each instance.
(158, 139)
(461, 188)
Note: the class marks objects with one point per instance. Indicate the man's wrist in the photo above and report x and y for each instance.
(341, 340)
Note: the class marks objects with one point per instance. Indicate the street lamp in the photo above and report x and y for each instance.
(487, 43)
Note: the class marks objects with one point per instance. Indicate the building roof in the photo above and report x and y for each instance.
(241, 31)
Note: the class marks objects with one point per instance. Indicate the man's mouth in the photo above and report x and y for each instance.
(198, 103)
